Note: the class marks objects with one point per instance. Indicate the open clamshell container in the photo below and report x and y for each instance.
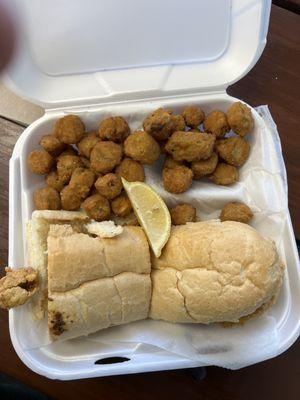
(112, 57)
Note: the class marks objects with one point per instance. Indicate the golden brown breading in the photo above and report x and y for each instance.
(159, 124)
(109, 185)
(97, 207)
(142, 147)
(178, 123)
(193, 116)
(190, 146)
(85, 162)
(171, 163)
(121, 205)
(81, 181)
(105, 156)
(18, 286)
(234, 150)
(69, 129)
(225, 174)
(54, 181)
(216, 123)
(240, 118)
(66, 165)
(204, 167)
(52, 145)
(236, 211)
(46, 198)
(87, 143)
(40, 162)
(114, 128)
(178, 179)
(183, 213)
(131, 170)
(70, 199)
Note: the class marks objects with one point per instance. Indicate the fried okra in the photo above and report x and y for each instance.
(178, 179)
(46, 198)
(159, 124)
(236, 211)
(52, 145)
(141, 146)
(70, 199)
(115, 129)
(183, 213)
(193, 116)
(54, 181)
(171, 163)
(224, 174)
(121, 205)
(97, 207)
(105, 156)
(131, 170)
(190, 146)
(204, 167)
(40, 162)
(85, 162)
(234, 150)
(216, 123)
(69, 129)
(240, 118)
(18, 286)
(178, 123)
(81, 181)
(87, 143)
(66, 165)
(109, 185)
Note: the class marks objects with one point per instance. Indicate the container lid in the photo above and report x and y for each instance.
(96, 51)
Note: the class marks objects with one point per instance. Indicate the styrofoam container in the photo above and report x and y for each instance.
(118, 57)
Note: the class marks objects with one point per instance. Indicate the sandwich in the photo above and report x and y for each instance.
(95, 275)
(214, 271)
(87, 282)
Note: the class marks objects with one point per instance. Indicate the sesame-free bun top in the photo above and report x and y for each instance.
(214, 271)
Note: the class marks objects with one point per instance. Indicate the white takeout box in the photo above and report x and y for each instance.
(98, 58)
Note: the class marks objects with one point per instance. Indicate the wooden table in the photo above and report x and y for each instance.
(273, 81)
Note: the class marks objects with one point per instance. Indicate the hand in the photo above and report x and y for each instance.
(7, 35)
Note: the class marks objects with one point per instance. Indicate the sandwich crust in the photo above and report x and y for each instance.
(75, 258)
(214, 271)
(99, 304)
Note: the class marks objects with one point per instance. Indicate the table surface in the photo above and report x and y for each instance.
(274, 81)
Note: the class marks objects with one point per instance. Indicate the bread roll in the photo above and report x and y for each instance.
(214, 272)
(75, 258)
(94, 282)
(88, 283)
(99, 304)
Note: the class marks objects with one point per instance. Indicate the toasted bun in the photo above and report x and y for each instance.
(99, 304)
(214, 272)
(75, 258)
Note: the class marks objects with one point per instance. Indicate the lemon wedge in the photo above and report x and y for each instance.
(152, 213)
